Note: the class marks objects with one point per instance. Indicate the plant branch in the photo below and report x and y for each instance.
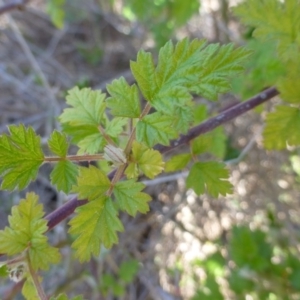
(67, 209)
(17, 4)
(86, 157)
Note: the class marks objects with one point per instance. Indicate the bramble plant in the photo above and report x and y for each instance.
(131, 135)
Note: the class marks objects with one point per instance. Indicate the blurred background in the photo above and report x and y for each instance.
(244, 246)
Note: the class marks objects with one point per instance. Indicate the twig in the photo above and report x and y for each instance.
(17, 4)
(67, 209)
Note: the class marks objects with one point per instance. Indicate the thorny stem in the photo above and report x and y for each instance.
(85, 157)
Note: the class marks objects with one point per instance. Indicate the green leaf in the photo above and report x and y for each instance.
(250, 249)
(175, 102)
(147, 160)
(177, 162)
(213, 142)
(282, 128)
(96, 223)
(280, 22)
(211, 176)
(130, 198)
(92, 183)
(200, 113)
(20, 157)
(29, 290)
(26, 231)
(115, 127)
(55, 9)
(128, 270)
(143, 71)
(58, 143)
(65, 297)
(222, 63)
(87, 107)
(64, 175)
(124, 100)
(155, 129)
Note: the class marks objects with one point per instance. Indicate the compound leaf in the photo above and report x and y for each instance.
(155, 128)
(26, 231)
(92, 183)
(64, 175)
(58, 143)
(124, 100)
(96, 223)
(211, 176)
(147, 160)
(130, 198)
(282, 128)
(20, 157)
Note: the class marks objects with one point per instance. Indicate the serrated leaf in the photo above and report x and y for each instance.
(130, 198)
(124, 100)
(147, 160)
(175, 102)
(92, 183)
(26, 231)
(64, 175)
(87, 107)
(155, 129)
(143, 71)
(88, 138)
(20, 157)
(96, 223)
(282, 128)
(58, 143)
(280, 22)
(213, 142)
(222, 63)
(211, 177)
(115, 127)
(177, 162)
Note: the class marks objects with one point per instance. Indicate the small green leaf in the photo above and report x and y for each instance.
(87, 107)
(26, 231)
(143, 71)
(147, 160)
(64, 175)
(130, 198)
(124, 100)
(213, 142)
(115, 127)
(128, 270)
(211, 176)
(96, 223)
(29, 290)
(92, 183)
(178, 162)
(288, 86)
(20, 157)
(155, 129)
(200, 113)
(58, 143)
(282, 128)
(88, 138)
(55, 9)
